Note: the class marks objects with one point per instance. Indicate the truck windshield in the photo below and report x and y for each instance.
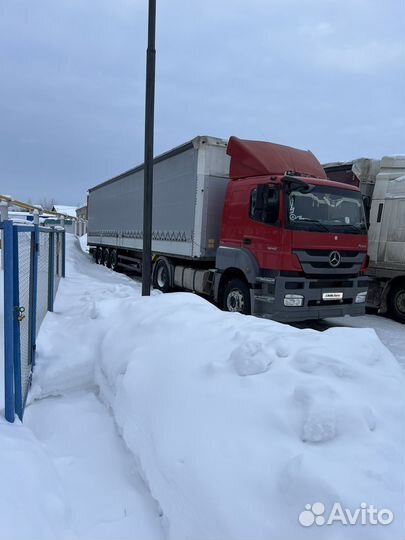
(326, 209)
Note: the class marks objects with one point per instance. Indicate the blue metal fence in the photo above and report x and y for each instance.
(34, 262)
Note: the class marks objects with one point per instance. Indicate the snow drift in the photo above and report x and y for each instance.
(32, 500)
(235, 423)
(238, 423)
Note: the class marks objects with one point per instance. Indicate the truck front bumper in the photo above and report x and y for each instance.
(269, 296)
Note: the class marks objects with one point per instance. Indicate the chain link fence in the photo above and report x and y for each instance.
(24, 250)
(42, 279)
(34, 263)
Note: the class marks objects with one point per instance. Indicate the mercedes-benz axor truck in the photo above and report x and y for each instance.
(255, 226)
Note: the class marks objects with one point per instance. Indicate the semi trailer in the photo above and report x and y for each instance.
(382, 183)
(257, 227)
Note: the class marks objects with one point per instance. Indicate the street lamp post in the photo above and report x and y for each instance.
(148, 166)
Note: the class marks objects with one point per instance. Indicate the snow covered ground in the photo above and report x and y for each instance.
(103, 492)
(165, 417)
(66, 473)
(391, 333)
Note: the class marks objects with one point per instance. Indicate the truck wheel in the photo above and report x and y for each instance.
(161, 276)
(99, 255)
(106, 257)
(237, 297)
(113, 259)
(396, 302)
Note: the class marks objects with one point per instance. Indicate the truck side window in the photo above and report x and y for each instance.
(252, 212)
(268, 211)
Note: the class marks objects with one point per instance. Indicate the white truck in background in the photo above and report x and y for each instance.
(382, 183)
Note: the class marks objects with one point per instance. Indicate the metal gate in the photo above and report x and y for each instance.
(34, 262)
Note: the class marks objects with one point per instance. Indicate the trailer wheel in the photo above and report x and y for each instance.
(161, 276)
(113, 259)
(106, 257)
(237, 297)
(99, 255)
(396, 302)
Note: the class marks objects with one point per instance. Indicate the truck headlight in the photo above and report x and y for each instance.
(361, 297)
(293, 300)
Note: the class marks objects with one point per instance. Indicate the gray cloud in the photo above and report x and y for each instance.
(322, 74)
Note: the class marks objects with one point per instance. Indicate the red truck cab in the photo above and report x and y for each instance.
(296, 239)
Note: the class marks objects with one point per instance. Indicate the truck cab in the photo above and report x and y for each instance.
(295, 240)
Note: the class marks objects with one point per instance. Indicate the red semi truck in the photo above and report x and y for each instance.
(255, 226)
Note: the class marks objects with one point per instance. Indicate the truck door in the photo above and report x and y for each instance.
(262, 232)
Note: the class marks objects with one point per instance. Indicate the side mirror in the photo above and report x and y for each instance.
(367, 208)
(366, 201)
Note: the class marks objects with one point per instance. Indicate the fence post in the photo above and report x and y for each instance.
(18, 399)
(3, 217)
(57, 254)
(63, 253)
(9, 319)
(33, 292)
(51, 269)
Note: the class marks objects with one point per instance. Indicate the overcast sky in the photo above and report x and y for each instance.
(324, 75)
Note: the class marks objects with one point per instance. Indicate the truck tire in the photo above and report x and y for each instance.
(113, 259)
(106, 257)
(161, 276)
(396, 302)
(237, 297)
(99, 255)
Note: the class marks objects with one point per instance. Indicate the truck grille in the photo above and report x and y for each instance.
(326, 252)
(316, 262)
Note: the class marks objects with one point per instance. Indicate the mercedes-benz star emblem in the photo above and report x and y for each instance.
(334, 259)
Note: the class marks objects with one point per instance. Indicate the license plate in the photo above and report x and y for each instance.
(332, 296)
